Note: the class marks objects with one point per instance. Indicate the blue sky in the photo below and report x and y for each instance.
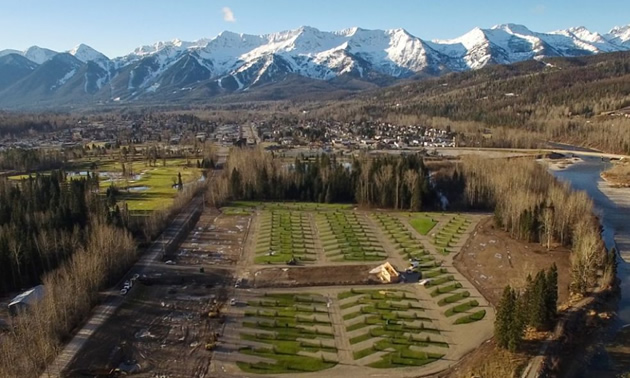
(116, 27)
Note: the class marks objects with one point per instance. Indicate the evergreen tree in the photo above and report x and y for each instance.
(551, 293)
(538, 308)
(504, 318)
(509, 322)
(526, 300)
(517, 324)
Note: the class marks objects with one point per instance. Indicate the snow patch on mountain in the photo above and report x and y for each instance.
(64, 79)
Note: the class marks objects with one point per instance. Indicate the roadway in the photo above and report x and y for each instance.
(502, 152)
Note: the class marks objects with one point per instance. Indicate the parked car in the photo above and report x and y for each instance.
(233, 302)
(123, 291)
(424, 282)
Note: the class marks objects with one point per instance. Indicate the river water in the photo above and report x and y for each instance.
(613, 207)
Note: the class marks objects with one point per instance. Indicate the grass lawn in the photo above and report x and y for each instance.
(151, 188)
(422, 224)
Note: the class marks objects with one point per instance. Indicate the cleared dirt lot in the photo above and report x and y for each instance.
(313, 276)
(491, 259)
(161, 329)
(173, 314)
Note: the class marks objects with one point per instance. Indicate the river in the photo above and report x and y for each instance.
(613, 207)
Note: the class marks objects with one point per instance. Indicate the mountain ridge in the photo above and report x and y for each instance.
(235, 63)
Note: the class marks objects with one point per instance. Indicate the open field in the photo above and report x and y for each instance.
(492, 260)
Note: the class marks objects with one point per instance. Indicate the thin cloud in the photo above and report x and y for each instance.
(539, 9)
(228, 15)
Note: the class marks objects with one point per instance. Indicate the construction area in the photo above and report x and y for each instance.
(298, 288)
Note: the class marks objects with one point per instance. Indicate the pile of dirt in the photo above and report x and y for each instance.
(333, 275)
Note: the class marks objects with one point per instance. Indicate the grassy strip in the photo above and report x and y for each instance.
(453, 298)
(440, 281)
(470, 318)
(360, 338)
(461, 308)
(446, 289)
(284, 363)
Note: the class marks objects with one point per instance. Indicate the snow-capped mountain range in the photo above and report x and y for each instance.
(233, 62)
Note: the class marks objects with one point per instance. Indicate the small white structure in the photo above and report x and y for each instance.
(26, 299)
(384, 273)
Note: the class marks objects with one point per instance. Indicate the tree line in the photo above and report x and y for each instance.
(399, 182)
(31, 160)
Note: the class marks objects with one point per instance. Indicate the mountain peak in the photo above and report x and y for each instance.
(228, 34)
(399, 31)
(513, 28)
(349, 31)
(308, 29)
(86, 53)
(39, 54)
(620, 29)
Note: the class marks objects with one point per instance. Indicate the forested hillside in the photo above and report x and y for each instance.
(574, 100)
